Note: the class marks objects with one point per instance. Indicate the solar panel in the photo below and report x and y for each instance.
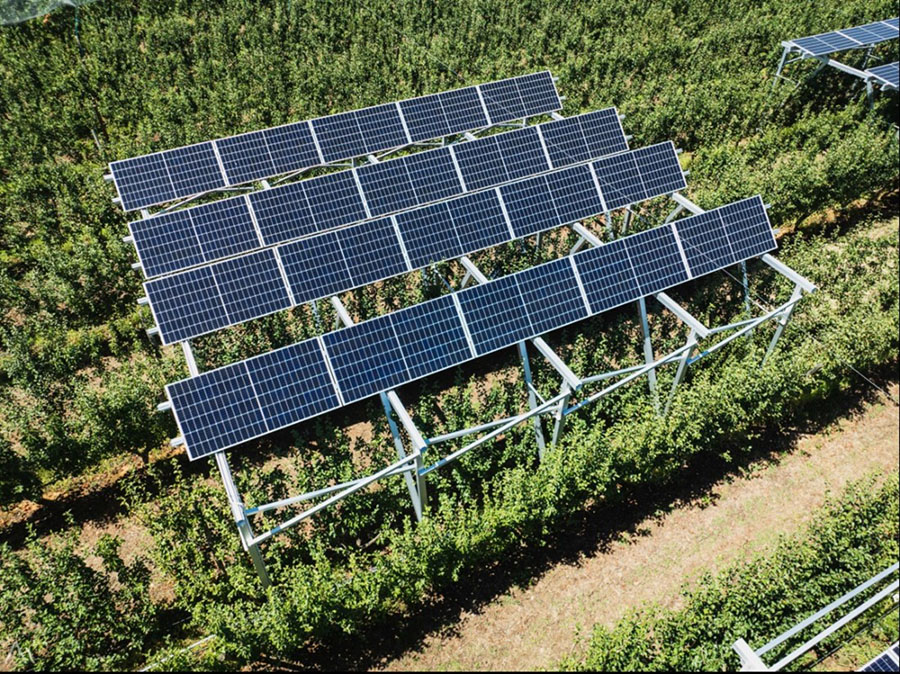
(387, 351)
(889, 661)
(292, 211)
(172, 174)
(887, 74)
(379, 249)
(847, 38)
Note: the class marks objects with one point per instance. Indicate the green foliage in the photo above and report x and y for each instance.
(851, 539)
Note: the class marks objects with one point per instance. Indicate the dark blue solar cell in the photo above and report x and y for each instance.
(387, 187)
(431, 336)
(607, 276)
(704, 242)
(889, 73)
(503, 101)
(245, 157)
(334, 200)
(429, 235)
(381, 127)
(433, 175)
(478, 220)
(425, 118)
(462, 109)
(574, 194)
(495, 314)
(283, 213)
(186, 304)
(565, 142)
(315, 267)
(656, 260)
(224, 228)
(619, 180)
(216, 410)
(372, 251)
(339, 136)
(194, 169)
(480, 163)
(603, 132)
(862, 34)
(748, 228)
(529, 206)
(251, 286)
(291, 147)
(813, 45)
(551, 294)
(292, 383)
(836, 41)
(142, 181)
(660, 171)
(538, 93)
(522, 152)
(166, 243)
(366, 358)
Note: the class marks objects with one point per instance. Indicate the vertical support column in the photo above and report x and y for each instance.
(782, 322)
(682, 368)
(627, 222)
(648, 353)
(234, 498)
(532, 401)
(411, 485)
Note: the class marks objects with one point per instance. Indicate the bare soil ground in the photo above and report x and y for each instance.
(534, 627)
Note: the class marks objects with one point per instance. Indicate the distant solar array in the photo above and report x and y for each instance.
(889, 661)
(857, 37)
(887, 75)
(165, 176)
(232, 404)
(212, 297)
(193, 236)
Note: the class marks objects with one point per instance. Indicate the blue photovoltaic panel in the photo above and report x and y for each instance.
(283, 213)
(224, 228)
(480, 163)
(551, 294)
(502, 100)
(478, 220)
(495, 314)
(607, 276)
(886, 662)
(365, 358)
(565, 143)
(291, 147)
(705, 244)
(889, 73)
(164, 176)
(431, 337)
(381, 127)
(659, 168)
(574, 193)
(218, 409)
(251, 286)
(848, 38)
(619, 179)
(166, 243)
(584, 137)
(315, 267)
(603, 132)
(372, 251)
(429, 235)
(433, 176)
(334, 200)
(292, 383)
(522, 153)
(529, 209)
(245, 157)
(186, 304)
(387, 187)
(747, 227)
(390, 350)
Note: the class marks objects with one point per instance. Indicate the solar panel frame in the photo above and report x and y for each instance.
(887, 74)
(856, 37)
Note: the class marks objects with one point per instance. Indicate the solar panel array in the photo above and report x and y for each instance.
(208, 298)
(230, 405)
(848, 38)
(172, 174)
(172, 241)
(887, 75)
(889, 661)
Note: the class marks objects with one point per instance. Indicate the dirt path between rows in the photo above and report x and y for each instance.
(535, 627)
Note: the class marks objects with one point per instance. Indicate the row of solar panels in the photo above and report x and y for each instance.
(857, 37)
(209, 298)
(889, 661)
(887, 75)
(202, 234)
(194, 169)
(232, 404)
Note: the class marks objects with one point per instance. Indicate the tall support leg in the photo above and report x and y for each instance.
(532, 401)
(559, 416)
(411, 484)
(784, 55)
(682, 368)
(648, 353)
(782, 322)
